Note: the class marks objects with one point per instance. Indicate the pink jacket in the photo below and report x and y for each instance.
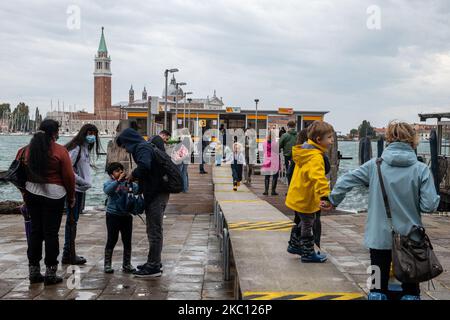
(271, 164)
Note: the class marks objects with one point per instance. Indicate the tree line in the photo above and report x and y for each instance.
(18, 120)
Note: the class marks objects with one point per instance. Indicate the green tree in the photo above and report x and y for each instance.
(37, 120)
(21, 118)
(366, 130)
(353, 133)
(5, 110)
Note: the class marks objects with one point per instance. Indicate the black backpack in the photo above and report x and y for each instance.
(172, 181)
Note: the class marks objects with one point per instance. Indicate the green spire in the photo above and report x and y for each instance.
(102, 45)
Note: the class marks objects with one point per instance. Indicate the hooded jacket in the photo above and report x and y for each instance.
(117, 192)
(148, 172)
(309, 183)
(409, 187)
(287, 142)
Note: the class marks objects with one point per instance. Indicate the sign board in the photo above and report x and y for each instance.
(202, 123)
(154, 105)
(233, 109)
(285, 110)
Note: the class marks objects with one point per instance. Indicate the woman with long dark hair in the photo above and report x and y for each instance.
(80, 150)
(50, 181)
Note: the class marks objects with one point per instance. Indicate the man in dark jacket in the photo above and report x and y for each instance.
(161, 139)
(287, 141)
(149, 175)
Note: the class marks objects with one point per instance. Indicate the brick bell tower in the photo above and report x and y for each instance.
(102, 81)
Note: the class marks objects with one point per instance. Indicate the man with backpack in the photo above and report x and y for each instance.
(158, 177)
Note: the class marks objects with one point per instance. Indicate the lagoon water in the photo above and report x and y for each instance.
(356, 200)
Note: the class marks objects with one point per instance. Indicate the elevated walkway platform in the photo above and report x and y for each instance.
(254, 241)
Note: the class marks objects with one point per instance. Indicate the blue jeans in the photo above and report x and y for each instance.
(184, 174)
(76, 211)
(236, 170)
(218, 159)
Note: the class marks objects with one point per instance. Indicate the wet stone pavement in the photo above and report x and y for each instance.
(190, 256)
(343, 236)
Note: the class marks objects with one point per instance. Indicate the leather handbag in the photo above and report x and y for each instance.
(17, 173)
(413, 260)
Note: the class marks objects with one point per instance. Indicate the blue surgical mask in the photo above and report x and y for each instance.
(90, 139)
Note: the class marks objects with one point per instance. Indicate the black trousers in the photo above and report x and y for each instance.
(116, 224)
(46, 215)
(382, 259)
(287, 164)
(274, 177)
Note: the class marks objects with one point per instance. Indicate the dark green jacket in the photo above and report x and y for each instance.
(287, 141)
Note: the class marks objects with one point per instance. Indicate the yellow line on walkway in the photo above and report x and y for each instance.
(237, 201)
(293, 295)
(261, 226)
(258, 223)
(350, 296)
(280, 227)
(232, 191)
(311, 296)
(261, 229)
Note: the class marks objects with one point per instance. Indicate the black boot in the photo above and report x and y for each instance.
(309, 255)
(307, 246)
(75, 260)
(274, 186)
(126, 266)
(294, 246)
(51, 277)
(266, 186)
(35, 275)
(108, 261)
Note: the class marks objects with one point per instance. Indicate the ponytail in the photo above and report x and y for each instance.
(39, 148)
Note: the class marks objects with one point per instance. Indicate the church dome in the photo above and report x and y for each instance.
(172, 89)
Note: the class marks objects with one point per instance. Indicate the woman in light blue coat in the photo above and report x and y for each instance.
(410, 189)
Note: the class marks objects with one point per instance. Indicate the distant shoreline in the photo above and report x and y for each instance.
(63, 135)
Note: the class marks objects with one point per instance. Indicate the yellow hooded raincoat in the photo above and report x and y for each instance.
(308, 183)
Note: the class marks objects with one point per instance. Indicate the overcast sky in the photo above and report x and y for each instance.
(309, 55)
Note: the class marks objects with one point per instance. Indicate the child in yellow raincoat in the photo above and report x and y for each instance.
(309, 186)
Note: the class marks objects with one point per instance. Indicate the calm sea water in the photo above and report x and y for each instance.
(8, 149)
(356, 200)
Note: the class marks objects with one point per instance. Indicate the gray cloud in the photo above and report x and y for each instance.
(311, 55)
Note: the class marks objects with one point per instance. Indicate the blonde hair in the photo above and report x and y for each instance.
(402, 132)
(319, 129)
